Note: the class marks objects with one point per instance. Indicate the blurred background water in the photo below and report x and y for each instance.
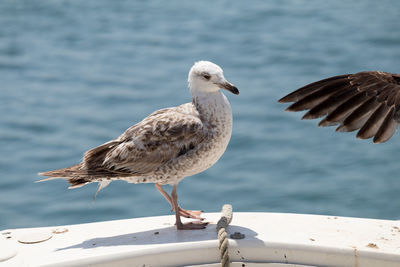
(75, 74)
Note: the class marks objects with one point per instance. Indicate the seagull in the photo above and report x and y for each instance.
(167, 146)
(368, 101)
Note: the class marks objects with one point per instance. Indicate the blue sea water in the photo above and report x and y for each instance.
(75, 74)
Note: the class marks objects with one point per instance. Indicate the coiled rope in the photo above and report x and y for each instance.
(226, 219)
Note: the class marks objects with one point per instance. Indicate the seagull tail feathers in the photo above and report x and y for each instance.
(74, 174)
(60, 173)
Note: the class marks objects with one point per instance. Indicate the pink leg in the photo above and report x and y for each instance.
(179, 224)
(194, 214)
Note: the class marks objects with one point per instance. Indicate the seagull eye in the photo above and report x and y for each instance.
(206, 76)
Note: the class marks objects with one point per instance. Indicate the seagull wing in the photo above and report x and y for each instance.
(163, 136)
(369, 101)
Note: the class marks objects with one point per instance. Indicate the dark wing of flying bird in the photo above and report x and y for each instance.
(367, 101)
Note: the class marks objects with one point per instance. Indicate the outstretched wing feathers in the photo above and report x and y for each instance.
(369, 101)
(330, 104)
(308, 89)
(388, 127)
(317, 96)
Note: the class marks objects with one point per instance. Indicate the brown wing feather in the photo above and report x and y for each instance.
(162, 136)
(388, 127)
(315, 98)
(369, 101)
(359, 116)
(308, 89)
(156, 140)
(330, 104)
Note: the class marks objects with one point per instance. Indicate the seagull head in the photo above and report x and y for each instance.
(207, 77)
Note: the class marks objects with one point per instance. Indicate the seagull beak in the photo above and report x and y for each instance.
(228, 86)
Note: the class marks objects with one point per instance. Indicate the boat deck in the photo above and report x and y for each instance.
(310, 240)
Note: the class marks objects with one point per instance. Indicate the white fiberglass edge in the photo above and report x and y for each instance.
(312, 240)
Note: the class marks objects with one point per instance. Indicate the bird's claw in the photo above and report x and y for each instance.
(196, 225)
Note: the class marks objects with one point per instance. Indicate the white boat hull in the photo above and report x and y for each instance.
(273, 238)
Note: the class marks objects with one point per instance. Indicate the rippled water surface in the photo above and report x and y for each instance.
(75, 74)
